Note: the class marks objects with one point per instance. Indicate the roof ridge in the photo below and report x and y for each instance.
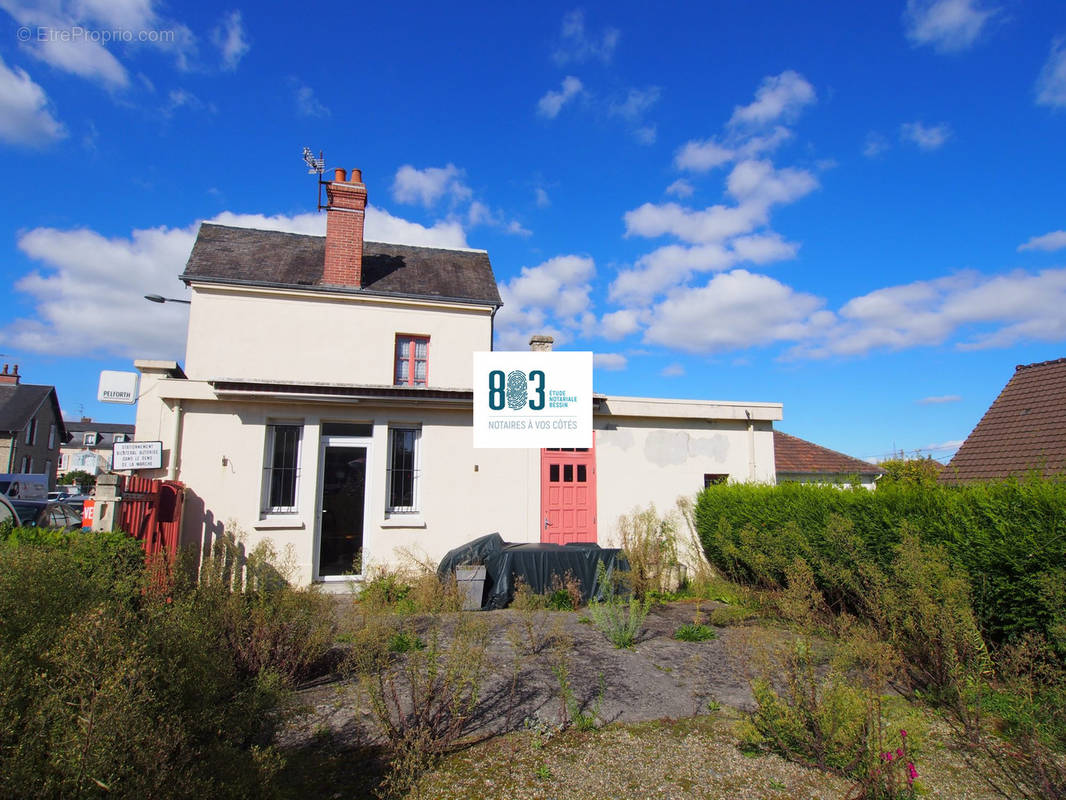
(365, 241)
(1040, 363)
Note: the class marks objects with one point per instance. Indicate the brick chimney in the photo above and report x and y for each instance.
(541, 343)
(10, 378)
(344, 230)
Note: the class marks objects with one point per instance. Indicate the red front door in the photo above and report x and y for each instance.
(568, 494)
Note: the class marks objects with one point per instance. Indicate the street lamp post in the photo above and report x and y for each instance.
(158, 298)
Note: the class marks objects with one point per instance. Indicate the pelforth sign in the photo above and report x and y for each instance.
(533, 399)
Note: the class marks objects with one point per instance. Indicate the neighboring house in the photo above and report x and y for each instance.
(800, 461)
(1022, 431)
(31, 427)
(91, 445)
(326, 406)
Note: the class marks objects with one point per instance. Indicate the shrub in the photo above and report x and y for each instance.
(1010, 536)
(620, 620)
(114, 681)
(422, 703)
(650, 544)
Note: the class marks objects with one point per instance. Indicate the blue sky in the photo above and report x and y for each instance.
(855, 209)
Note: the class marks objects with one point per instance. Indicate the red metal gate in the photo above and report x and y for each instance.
(151, 513)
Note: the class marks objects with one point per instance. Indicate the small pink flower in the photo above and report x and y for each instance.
(888, 756)
(899, 752)
(911, 771)
(903, 733)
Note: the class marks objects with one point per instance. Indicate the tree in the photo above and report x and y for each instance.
(79, 476)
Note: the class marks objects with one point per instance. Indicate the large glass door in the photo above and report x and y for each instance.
(343, 508)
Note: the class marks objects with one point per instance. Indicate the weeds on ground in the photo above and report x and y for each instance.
(650, 546)
(695, 632)
(572, 712)
(422, 702)
(415, 589)
(620, 620)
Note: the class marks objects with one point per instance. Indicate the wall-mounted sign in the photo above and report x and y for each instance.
(117, 387)
(533, 399)
(137, 455)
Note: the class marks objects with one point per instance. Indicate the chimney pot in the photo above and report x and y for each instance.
(5, 369)
(338, 175)
(357, 176)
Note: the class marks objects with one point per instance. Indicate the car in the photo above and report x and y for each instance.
(44, 514)
(7, 511)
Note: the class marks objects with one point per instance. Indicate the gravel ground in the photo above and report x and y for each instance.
(659, 737)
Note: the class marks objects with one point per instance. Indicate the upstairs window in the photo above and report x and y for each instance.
(412, 360)
(119, 437)
(52, 436)
(31, 432)
(89, 439)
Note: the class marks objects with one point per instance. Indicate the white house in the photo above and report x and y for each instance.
(326, 404)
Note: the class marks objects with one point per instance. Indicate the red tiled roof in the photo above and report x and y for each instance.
(795, 455)
(1024, 429)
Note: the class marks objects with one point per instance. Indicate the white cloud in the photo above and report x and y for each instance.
(557, 288)
(979, 311)
(674, 370)
(1051, 85)
(947, 25)
(575, 44)
(480, 214)
(1056, 240)
(646, 134)
(778, 97)
(680, 188)
(307, 104)
(609, 361)
(733, 311)
(553, 101)
(701, 156)
(60, 34)
(875, 145)
(231, 39)
(25, 116)
(927, 137)
(427, 186)
(619, 324)
(381, 226)
(83, 270)
(86, 271)
(543, 201)
(940, 399)
(636, 104)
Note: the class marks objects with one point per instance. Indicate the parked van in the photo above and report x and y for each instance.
(22, 486)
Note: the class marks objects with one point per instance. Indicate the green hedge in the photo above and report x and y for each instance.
(1009, 536)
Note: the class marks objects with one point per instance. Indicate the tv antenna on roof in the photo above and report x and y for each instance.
(316, 166)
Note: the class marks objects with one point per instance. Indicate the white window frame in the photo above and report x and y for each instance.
(118, 437)
(268, 466)
(89, 438)
(416, 468)
(52, 430)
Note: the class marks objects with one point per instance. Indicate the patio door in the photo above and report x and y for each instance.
(342, 497)
(568, 494)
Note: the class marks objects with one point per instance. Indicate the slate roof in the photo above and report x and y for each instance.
(223, 254)
(105, 434)
(18, 402)
(798, 456)
(1024, 429)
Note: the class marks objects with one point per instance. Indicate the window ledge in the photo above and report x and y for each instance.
(279, 523)
(404, 521)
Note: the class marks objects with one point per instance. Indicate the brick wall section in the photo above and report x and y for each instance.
(344, 232)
